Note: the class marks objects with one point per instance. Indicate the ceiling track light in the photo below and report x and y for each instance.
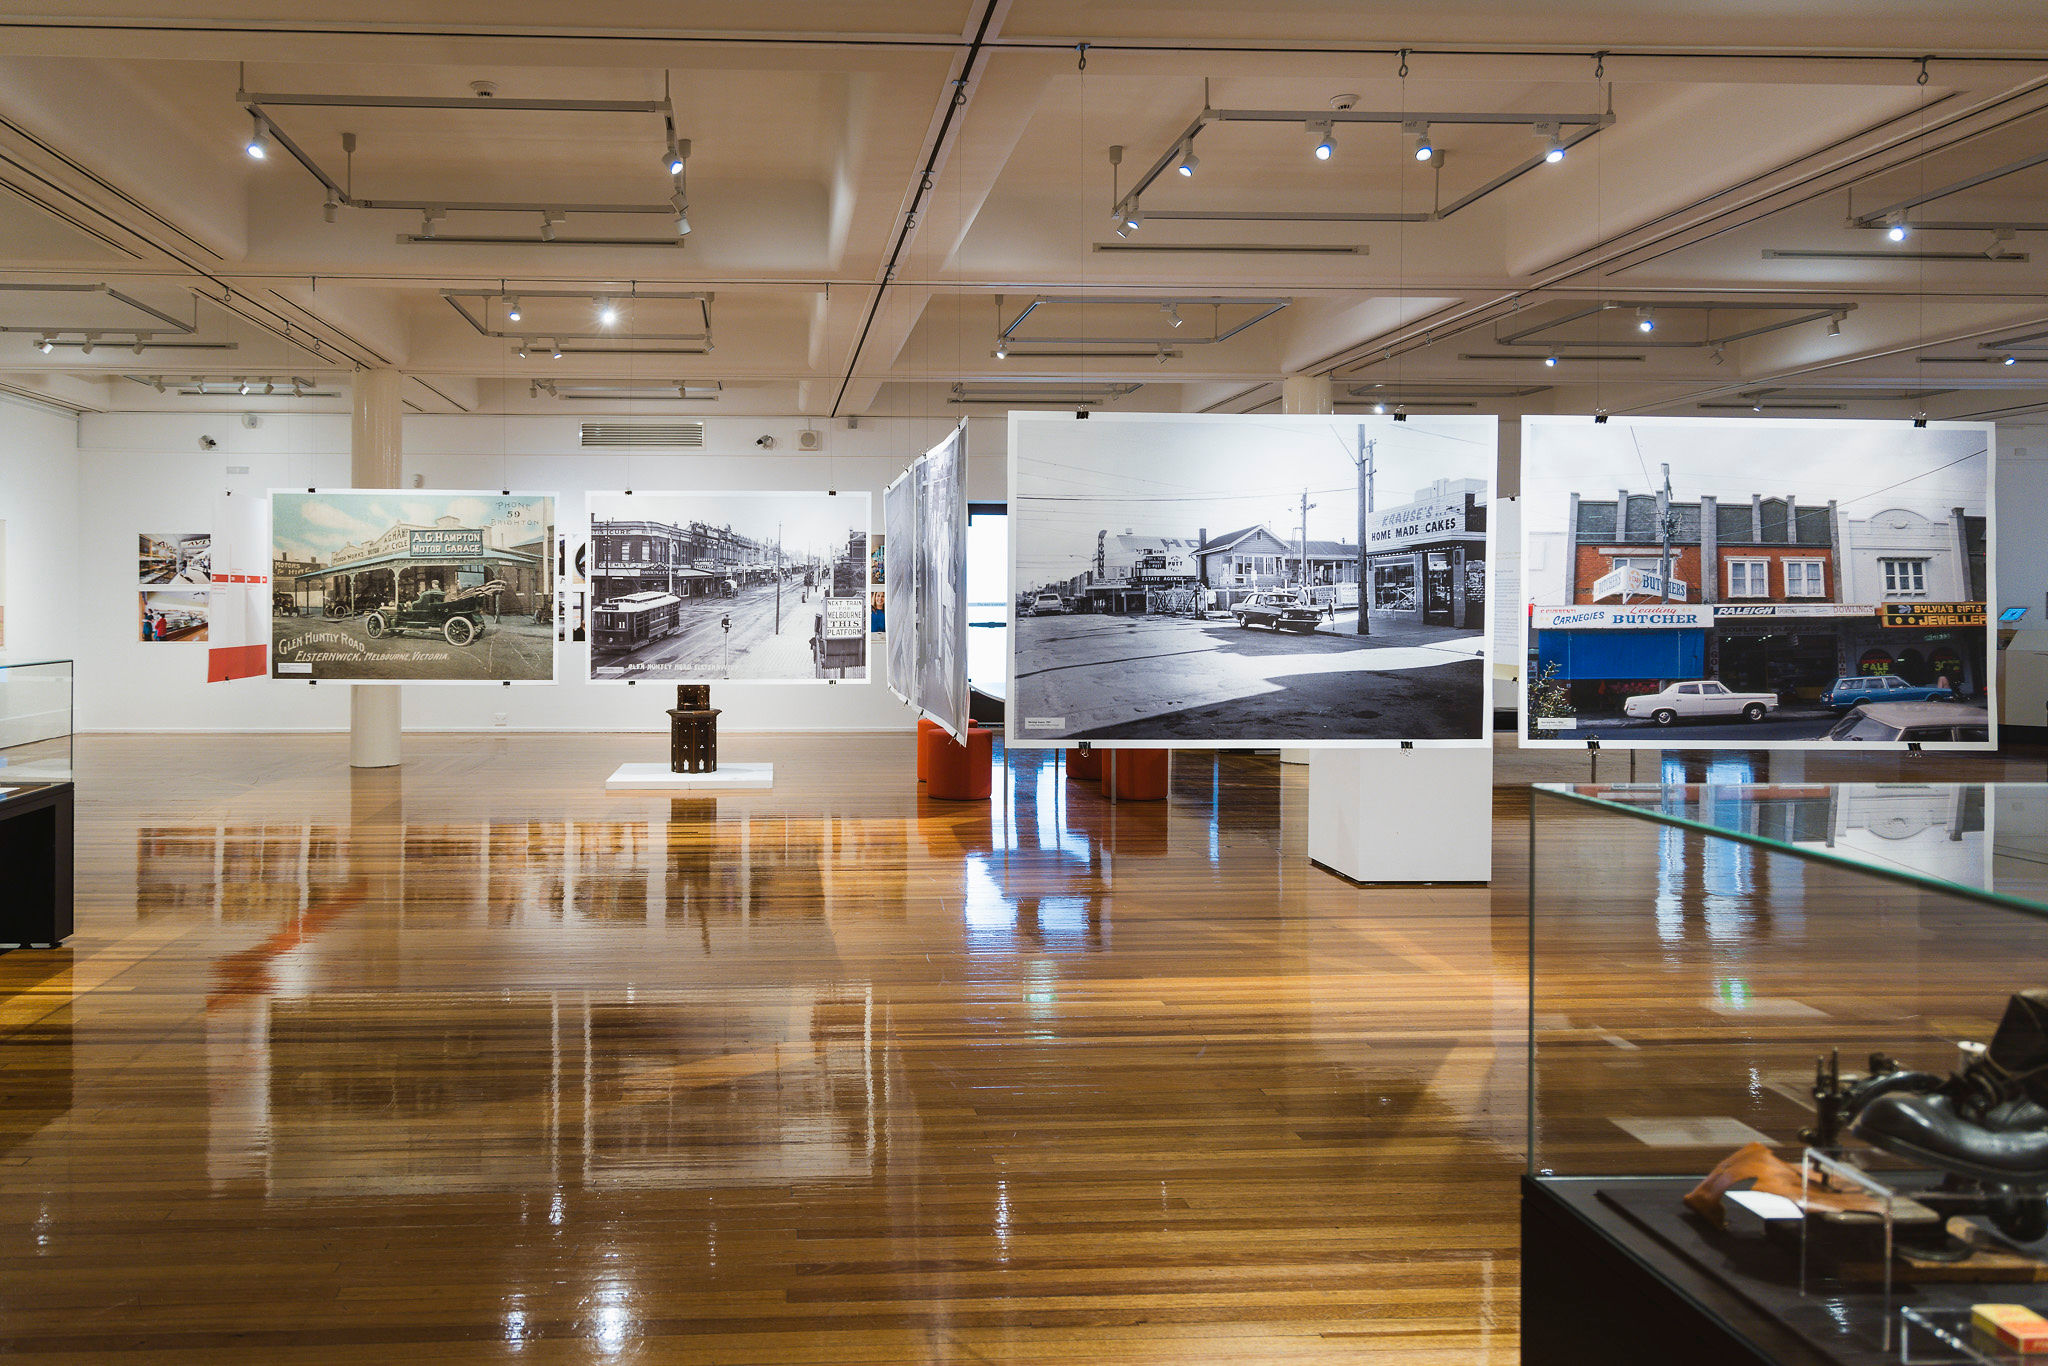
(2012, 360)
(1324, 133)
(269, 387)
(1550, 361)
(258, 145)
(607, 312)
(1002, 350)
(1835, 325)
(512, 313)
(1188, 160)
(1172, 312)
(1553, 142)
(331, 210)
(1129, 219)
(157, 384)
(45, 344)
(520, 350)
(548, 220)
(1645, 322)
(556, 349)
(138, 344)
(1720, 356)
(298, 389)
(91, 340)
(1425, 149)
(241, 385)
(682, 220)
(1898, 232)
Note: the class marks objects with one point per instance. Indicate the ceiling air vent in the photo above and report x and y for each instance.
(643, 436)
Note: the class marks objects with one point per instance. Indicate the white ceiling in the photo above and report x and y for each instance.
(876, 190)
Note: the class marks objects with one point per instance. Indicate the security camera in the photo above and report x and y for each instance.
(766, 443)
(207, 443)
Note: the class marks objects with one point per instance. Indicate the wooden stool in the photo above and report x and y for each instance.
(1085, 764)
(961, 772)
(693, 731)
(926, 730)
(1139, 775)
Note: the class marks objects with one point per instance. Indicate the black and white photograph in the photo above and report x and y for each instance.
(175, 558)
(717, 587)
(942, 582)
(1195, 580)
(1737, 582)
(412, 586)
(899, 582)
(179, 615)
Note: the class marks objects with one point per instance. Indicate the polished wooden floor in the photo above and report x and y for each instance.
(471, 1061)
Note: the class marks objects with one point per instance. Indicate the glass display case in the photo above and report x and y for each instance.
(35, 720)
(1780, 1102)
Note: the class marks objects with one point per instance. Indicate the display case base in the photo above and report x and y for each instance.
(658, 778)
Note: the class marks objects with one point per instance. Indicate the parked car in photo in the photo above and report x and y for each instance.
(1913, 723)
(1699, 699)
(1048, 605)
(1281, 611)
(1863, 689)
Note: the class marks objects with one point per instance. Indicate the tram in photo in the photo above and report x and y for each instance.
(635, 619)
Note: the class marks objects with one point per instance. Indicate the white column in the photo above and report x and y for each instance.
(1308, 394)
(374, 444)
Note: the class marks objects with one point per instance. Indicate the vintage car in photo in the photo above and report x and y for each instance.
(1281, 611)
(457, 619)
(1913, 723)
(1699, 699)
(1048, 605)
(1864, 689)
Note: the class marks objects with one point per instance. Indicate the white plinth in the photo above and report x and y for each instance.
(657, 778)
(1402, 815)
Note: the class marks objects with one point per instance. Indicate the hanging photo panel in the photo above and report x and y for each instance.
(721, 587)
(1195, 580)
(1703, 583)
(412, 586)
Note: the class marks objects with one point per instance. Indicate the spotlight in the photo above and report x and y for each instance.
(242, 385)
(1554, 152)
(1002, 350)
(1379, 407)
(607, 312)
(1172, 312)
(1720, 356)
(1325, 134)
(682, 222)
(427, 217)
(674, 160)
(298, 389)
(43, 344)
(158, 384)
(332, 209)
(269, 387)
(1550, 361)
(556, 348)
(258, 145)
(548, 219)
(1644, 322)
(512, 314)
(1898, 232)
(520, 350)
(85, 347)
(1188, 161)
(138, 346)
(1130, 220)
(2012, 360)
(1756, 407)
(1424, 148)
(1835, 326)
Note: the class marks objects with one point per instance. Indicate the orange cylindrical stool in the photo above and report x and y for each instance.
(1084, 763)
(927, 731)
(961, 773)
(1139, 775)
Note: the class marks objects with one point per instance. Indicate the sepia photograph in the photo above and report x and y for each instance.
(412, 586)
(1196, 580)
(175, 557)
(729, 587)
(1738, 582)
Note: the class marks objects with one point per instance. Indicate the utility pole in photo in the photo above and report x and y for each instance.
(1667, 523)
(1367, 451)
(778, 578)
(1305, 506)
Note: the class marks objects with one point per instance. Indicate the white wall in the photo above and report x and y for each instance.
(147, 472)
(39, 503)
(2023, 520)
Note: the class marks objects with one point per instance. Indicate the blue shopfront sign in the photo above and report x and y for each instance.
(1587, 656)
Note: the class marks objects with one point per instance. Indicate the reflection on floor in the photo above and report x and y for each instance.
(470, 1060)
